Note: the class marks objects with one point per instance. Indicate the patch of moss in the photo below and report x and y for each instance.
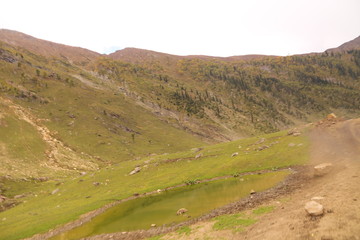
(184, 230)
(263, 210)
(233, 221)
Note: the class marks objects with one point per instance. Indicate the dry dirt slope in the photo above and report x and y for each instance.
(338, 144)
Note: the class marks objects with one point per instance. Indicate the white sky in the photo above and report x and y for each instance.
(188, 27)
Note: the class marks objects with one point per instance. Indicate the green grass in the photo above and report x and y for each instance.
(71, 201)
(263, 210)
(235, 222)
(185, 230)
(238, 222)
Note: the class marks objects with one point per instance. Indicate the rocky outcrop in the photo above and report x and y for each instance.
(314, 208)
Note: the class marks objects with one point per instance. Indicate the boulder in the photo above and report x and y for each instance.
(294, 132)
(331, 116)
(263, 147)
(153, 225)
(199, 155)
(322, 169)
(136, 170)
(55, 191)
(314, 208)
(234, 154)
(2, 198)
(252, 191)
(181, 211)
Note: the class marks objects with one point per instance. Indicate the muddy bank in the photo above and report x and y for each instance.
(90, 215)
(295, 180)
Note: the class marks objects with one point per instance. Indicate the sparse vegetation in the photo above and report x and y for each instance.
(236, 222)
(263, 210)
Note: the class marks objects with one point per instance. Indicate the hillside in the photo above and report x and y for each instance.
(132, 103)
(74, 123)
(348, 46)
(46, 48)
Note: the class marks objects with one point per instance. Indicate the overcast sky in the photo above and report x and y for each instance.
(188, 27)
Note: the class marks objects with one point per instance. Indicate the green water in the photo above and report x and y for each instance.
(161, 208)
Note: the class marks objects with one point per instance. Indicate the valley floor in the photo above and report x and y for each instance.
(339, 190)
(281, 213)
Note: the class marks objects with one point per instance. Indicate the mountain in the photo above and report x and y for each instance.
(77, 110)
(351, 45)
(74, 124)
(47, 48)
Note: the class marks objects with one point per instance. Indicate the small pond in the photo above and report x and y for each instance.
(161, 208)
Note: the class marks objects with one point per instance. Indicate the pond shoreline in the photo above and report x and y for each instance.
(283, 187)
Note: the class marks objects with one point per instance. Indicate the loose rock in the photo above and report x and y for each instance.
(322, 169)
(263, 147)
(234, 154)
(55, 191)
(199, 155)
(136, 170)
(181, 211)
(314, 208)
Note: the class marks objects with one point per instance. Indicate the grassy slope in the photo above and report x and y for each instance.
(42, 210)
(98, 121)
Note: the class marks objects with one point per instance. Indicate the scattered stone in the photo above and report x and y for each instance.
(153, 225)
(234, 154)
(322, 169)
(19, 196)
(317, 198)
(329, 211)
(294, 132)
(198, 155)
(291, 144)
(42, 179)
(314, 208)
(263, 147)
(181, 211)
(55, 191)
(195, 150)
(331, 116)
(260, 141)
(2, 198)
(96, 183)
(82, 173)
(158, 191)
(252, 191)
(136, 170)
